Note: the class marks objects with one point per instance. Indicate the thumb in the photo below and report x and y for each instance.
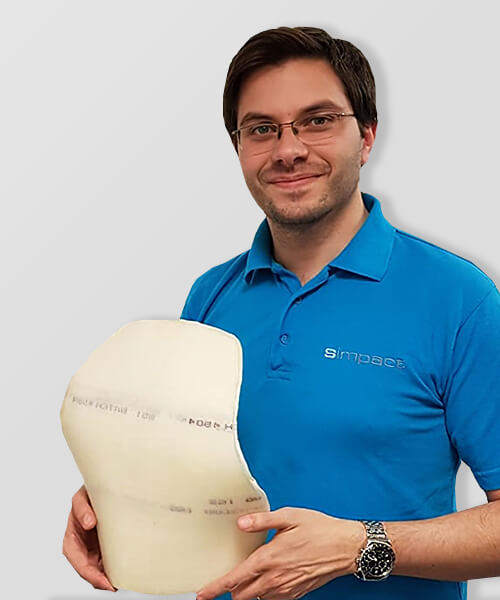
(87, 520)
(83, 510)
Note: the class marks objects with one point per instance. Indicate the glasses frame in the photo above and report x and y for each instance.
(280, 126)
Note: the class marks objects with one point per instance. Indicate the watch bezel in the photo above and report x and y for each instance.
(363, 571)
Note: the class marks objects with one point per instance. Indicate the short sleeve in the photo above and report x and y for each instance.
(197, 297)
(472, 393)
(188, 310)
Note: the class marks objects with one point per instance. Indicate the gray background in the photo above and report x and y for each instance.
(119, 186)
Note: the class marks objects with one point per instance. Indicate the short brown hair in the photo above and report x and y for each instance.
(276, 46)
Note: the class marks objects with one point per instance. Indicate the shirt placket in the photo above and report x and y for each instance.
(293, 313)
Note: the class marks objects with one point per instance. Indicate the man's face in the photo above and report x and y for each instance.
(282, 92)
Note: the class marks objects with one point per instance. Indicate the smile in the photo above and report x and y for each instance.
(296, 183)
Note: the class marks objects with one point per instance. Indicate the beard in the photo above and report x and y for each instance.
(297, 209)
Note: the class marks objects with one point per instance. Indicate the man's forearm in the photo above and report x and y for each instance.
(455, 547)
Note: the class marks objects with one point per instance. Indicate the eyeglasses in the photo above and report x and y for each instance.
(259, 138)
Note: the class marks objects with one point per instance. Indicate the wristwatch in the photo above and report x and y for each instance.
(376, 560)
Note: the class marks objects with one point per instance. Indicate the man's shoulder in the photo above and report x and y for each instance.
(210, 281)
(441, 269)
(213, 275)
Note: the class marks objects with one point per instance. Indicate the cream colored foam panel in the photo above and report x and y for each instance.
(150, 419)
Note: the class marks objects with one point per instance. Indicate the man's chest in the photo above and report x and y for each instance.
(337, 361)
(345, 384)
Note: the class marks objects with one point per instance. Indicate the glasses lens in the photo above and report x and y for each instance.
(258, 138)
(316, 129)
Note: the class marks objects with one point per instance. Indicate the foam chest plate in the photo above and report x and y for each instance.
(150, 419)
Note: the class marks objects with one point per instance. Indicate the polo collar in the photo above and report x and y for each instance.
(367, 254)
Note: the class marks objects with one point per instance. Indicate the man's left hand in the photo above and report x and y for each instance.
(309, 549)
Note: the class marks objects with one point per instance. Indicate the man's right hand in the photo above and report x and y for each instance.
(80, 543)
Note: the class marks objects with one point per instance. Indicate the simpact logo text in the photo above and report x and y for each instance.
(364, 359)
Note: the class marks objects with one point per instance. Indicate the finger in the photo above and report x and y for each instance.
(274, 584)
(282, 518)
(88, 566)
(253, 589)
(97, 579)
(244, 573)
(268, 587)
(81, 548)
(81, 508)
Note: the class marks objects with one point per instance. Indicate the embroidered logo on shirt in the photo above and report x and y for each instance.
(364, 359)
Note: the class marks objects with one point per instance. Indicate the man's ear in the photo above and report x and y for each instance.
(367, 141)
(235, 146)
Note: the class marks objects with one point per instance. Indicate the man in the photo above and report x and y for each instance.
(370, 355)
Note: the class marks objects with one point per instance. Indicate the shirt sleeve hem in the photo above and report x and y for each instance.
(488, 480)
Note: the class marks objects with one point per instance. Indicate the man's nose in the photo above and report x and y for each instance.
(288, 146)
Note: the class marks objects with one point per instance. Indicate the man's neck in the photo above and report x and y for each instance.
(305, 251)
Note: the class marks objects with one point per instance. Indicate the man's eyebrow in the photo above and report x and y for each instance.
(251, 116)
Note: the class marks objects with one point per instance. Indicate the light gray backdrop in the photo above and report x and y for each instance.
(119, 186)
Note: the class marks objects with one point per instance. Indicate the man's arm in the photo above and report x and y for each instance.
(455, 547)
(310, 548)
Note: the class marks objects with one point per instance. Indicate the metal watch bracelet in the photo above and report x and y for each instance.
(376, 560)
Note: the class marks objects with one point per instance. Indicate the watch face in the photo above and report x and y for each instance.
(377, 560)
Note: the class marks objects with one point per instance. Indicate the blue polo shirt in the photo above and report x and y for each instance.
(364, 389)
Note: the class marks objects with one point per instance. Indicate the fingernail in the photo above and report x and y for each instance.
(87, 520)
(244, 521)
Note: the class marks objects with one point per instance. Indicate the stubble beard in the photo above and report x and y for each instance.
(330, 201)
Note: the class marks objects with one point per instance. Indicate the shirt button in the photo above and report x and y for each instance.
(284, 338)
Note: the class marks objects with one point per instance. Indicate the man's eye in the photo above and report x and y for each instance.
(319, 120)
(261, 129)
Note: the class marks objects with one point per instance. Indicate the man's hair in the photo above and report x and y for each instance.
(276, 46)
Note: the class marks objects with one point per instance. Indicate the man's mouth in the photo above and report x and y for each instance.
(295, 183)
